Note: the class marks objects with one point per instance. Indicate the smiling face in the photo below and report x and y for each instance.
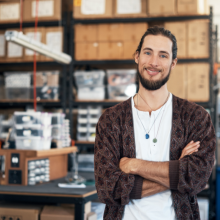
(155, 61)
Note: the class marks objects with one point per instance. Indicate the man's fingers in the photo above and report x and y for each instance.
(191, 145)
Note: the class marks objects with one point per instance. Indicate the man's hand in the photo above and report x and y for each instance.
(125, 164)
(190, 148)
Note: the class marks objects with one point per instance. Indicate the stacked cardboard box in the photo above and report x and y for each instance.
(192, 38)
(51, 36)
(190, 81)
(107, 41)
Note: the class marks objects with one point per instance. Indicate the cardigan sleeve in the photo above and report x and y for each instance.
(114, 187)
(191, 173)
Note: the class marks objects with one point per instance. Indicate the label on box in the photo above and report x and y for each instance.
(95, 7)
(14, 50)
(128, 6)
(2, 45)
(26, 118)
(32, 36)
(9, 11)
(27, 132)
(45, 8)
(54, 40)
(27, 143)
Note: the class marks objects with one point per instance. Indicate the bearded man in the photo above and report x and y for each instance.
(154, 152)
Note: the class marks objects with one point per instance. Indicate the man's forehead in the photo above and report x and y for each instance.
(157, 42)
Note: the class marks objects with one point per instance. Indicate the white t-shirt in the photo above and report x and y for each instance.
(160, 205)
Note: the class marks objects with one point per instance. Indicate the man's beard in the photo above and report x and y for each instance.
(153, 85)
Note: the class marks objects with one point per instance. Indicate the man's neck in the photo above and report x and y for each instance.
(147, 100)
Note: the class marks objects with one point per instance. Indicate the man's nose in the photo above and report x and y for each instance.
(154, 60)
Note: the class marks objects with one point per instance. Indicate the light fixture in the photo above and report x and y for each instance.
(22, 40)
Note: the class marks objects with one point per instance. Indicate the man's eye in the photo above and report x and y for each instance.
(148, 53)
(162, 56)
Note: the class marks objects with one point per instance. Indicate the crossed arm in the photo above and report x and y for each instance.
(155, 174)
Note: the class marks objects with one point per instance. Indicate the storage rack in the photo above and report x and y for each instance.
(53, 65)
(211, 104)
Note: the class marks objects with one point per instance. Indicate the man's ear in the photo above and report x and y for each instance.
(174, 62)
(136, 57)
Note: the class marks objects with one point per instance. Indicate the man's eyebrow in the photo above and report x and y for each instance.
(162, 51)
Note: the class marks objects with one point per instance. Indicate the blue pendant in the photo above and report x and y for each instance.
(147, 136)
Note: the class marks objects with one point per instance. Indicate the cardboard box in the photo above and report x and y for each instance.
(161, 7)
(86, 33)
(179, 30)
(10, 11)
(110, 51)
(86, 51)
(57, 213)
(130, 48)
(134, 31)
(194, 7)
(110, 32)
(177, 83)
(40, 36)
(2, 46)
(23, 212)
(91, 216)
(198, 82)
(130, 8)
(48, 10)
(198, 39)
(54, 39)
(92, 9)
(14, 52)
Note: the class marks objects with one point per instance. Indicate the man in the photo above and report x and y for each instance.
(154, 152)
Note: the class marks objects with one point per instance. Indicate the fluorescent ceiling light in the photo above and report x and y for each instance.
(22, 40)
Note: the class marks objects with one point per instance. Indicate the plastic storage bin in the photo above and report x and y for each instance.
(91, 93)
(57, 131)
(121, 92)
(121, 77)
(89, 78)
(17, 80)
(57, 118)
(32, 143)
(27, 118)
(17, 93)
(33, 131)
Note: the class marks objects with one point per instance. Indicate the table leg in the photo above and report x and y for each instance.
(79, 211)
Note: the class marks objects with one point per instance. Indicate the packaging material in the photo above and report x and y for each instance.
(177, 83)
(19, 211)
(54, 39)
(99, 209)
(48, 10)
(57, 213)
(2, 46)
(122, 92)
(130, 8)
(47, 78)
(110, 32)
(86, 51)
(129, 49)
(179, 30)
(134, 31)
(10, 11)
(161, 7)
(198, 39)
(110, 51)
(92, 216)
(40, 37)
(14, 52)
(89, 78)
(17, 80)
(92, 9)
(86, 33)
(198, 82)
(203, 208)
(91, 93)
(194, 7)
(121, 77)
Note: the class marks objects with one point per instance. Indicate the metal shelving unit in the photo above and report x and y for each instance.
(41, 64)
(208, 193)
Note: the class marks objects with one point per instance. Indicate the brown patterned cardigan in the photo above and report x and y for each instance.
(188, 176)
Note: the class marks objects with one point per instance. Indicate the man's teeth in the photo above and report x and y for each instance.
(153, 71)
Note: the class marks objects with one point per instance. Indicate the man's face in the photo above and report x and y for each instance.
(155, 62)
